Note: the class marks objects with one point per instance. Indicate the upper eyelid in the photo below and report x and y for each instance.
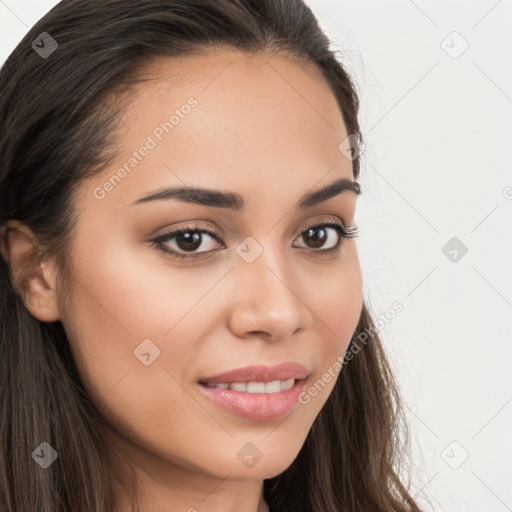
(342, 229)
(195, 226)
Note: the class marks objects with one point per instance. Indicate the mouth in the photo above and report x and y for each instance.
(254, 376)
(258, 401)
(275, 386)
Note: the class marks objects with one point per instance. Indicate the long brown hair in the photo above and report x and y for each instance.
(58, 115)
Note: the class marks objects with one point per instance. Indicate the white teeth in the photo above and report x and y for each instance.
(256, 387)
(270, 387)
(238, 386)
(287, 384)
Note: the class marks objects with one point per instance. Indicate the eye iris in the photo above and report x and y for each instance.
(190, 241)
(318, 240)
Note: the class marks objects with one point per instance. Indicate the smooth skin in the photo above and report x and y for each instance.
(268, 128)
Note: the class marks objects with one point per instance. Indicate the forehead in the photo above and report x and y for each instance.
(226, 119)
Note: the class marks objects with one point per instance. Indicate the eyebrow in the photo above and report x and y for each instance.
(233, 201)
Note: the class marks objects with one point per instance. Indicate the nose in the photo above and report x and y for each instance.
(268, 299)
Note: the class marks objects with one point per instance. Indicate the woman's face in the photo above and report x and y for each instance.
(146, 327)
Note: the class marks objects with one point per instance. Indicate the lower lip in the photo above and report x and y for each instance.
(256, 406)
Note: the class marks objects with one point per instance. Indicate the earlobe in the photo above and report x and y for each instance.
(35, 279)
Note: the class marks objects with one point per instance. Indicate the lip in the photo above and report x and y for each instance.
(260, 373)
(256, 406)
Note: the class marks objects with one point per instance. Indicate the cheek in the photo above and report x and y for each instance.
(337, 313)
(127, 320)
(132, 328)
(341, 303)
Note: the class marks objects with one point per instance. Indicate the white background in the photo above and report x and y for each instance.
(436, 165)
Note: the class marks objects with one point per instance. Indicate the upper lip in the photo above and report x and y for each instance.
(260, 373)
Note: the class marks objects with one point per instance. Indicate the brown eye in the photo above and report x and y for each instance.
(186, 240)
(190, 238)
(317, 236)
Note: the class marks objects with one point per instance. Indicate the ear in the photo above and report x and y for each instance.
(35, 279)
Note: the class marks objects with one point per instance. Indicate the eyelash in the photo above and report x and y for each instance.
(344, 232)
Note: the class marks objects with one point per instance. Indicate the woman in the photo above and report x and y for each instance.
(183, 319)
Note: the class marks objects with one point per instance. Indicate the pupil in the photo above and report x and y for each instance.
(190, 241)
(318, 240)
